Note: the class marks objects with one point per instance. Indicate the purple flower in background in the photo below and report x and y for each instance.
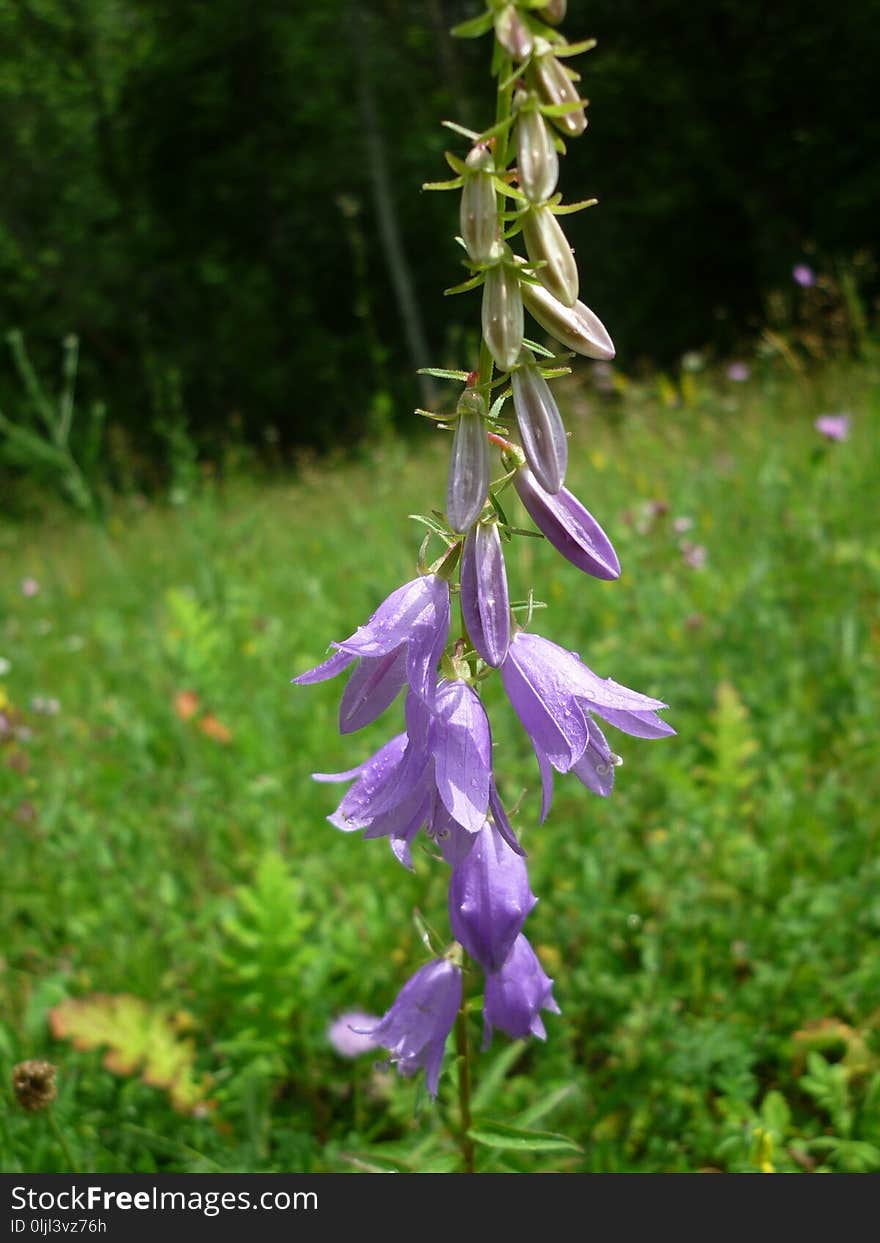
(347, 1033)
(833, 426)
(693, 555)
(402, 642)
(414, 1030)
(489, 899)
(29, 588)
(802, 274)
(553, 692)
(570, 528)
(738, 372)
(515, 995)
(485, 603)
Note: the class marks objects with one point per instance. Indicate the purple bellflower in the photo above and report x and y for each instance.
(570, 528)
(401, 643)
(489, 899)
(414, 1030)
(553, 693)
(516, 994)
(485, 602)
(439, 770)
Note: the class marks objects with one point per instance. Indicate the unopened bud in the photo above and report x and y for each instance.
(556, 87)
(537, 158)
(512, 33)
(546, 242)
(479, 206)
(503, 315)
(33, 1084)
(468, 483)
(554, 12)
(576, 327)
(540, 427)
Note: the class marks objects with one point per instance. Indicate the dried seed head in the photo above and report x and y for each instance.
(33, 1084)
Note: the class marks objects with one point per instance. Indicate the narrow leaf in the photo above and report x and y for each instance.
(473, 27)
(499, 1135)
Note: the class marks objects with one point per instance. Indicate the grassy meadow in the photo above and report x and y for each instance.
(179, 924)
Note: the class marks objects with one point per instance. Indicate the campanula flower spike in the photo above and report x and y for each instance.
(439, 637)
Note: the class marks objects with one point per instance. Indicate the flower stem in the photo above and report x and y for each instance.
(72, 1167)
(462, 1044)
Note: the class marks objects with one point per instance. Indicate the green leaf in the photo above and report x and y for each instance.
(568, 209)
(457, 165)
(492, 1078)
(433, 525)
(511, 191)
(473, 27)
(454, 183)
(562, 110)
(471, 283)
(574, 49)
(441, 373)
(438, 418)
(461, 129)
(501, 1136)
(545, 1104)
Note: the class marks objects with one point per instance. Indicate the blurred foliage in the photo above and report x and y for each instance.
(189, 191)
(711, 928)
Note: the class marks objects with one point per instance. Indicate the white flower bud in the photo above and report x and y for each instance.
(512, 33)
(556, 87)
(479, 207)
(554, 12)
(545, 241)
(575, 327)
(503, 315)
(537, 158)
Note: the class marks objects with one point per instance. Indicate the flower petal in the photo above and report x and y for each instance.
(327, 669)
(570, 528)
(537, 686)
(485, 602)
(462, 749)
(373, 685)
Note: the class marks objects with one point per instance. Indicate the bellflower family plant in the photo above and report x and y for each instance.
(437, 776)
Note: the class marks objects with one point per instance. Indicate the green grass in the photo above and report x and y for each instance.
(712, 928)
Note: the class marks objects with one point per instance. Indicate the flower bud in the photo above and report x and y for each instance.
(570, 528)
(537, 158)
(503, 315)
(575, 327)
(485, 603)
(469, 465)
(556, 87)
(489, 899)
(479, 208)
(540, 427)
(553, 13)
(545, 241)
(512, 33)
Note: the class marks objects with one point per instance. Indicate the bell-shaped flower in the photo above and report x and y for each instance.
(576, 327)
(553, 12)
(502, 315)
(553, 693)
(414, 1030)
(401, 643)
(570, 528)
(516, 994)
(537, 159)
(547, 244)
(440, 768)
(489, 898)
(485, 602)
(468, 484)
(540, 426)
(478, 215)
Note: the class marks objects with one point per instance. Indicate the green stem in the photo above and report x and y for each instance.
(462, 1044)
(72, 1167)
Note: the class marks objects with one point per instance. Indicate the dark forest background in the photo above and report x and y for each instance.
(213, 196)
